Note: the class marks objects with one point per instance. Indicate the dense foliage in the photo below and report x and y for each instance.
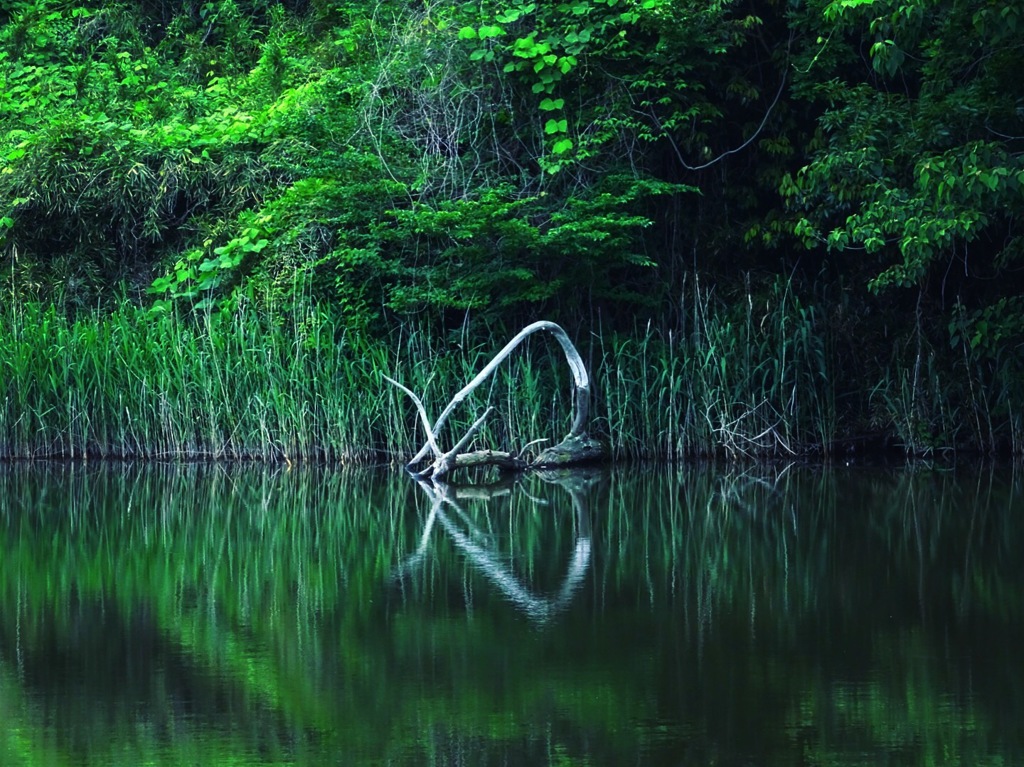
(404, 164)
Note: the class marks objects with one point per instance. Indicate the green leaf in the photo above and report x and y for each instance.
(556, 126)
(549, 104)
(159, 285)
(562, 146)
(467, 33)
(492, 30)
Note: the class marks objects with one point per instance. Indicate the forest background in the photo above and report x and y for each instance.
(774, 227)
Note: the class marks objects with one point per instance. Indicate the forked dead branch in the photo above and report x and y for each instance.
(577, 447)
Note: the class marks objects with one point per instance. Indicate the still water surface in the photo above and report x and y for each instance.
(242, 616)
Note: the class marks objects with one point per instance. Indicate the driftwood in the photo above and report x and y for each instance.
(577, 447)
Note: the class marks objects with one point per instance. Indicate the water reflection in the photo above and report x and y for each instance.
(774, 616)
(472, 542)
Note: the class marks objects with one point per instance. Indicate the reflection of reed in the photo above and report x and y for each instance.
(773, 544)
(264, 595)
(539, 609)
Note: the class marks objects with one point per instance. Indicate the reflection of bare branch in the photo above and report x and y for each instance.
(413, 560)
(540, 609)
(735, 487)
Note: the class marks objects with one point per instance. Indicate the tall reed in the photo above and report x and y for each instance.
(759, 376)
(136, 385)
(754, 379)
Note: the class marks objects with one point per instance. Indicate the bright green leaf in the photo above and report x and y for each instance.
(549, 104)
(562, 146)
(556, 126)
(492, 30)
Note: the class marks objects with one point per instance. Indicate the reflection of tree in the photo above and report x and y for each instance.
(490, 562)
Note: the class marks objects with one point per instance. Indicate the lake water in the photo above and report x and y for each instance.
(206, 615)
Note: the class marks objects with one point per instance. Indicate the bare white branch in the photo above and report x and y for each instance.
(581, 380)
(431, 439)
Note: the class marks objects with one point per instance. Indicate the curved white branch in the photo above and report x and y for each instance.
(443, 463)
(431, 439)
(581, 382)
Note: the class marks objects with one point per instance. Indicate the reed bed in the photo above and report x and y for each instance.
(750, 378)
(135, 385)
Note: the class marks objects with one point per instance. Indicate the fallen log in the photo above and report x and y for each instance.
(577, 447)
